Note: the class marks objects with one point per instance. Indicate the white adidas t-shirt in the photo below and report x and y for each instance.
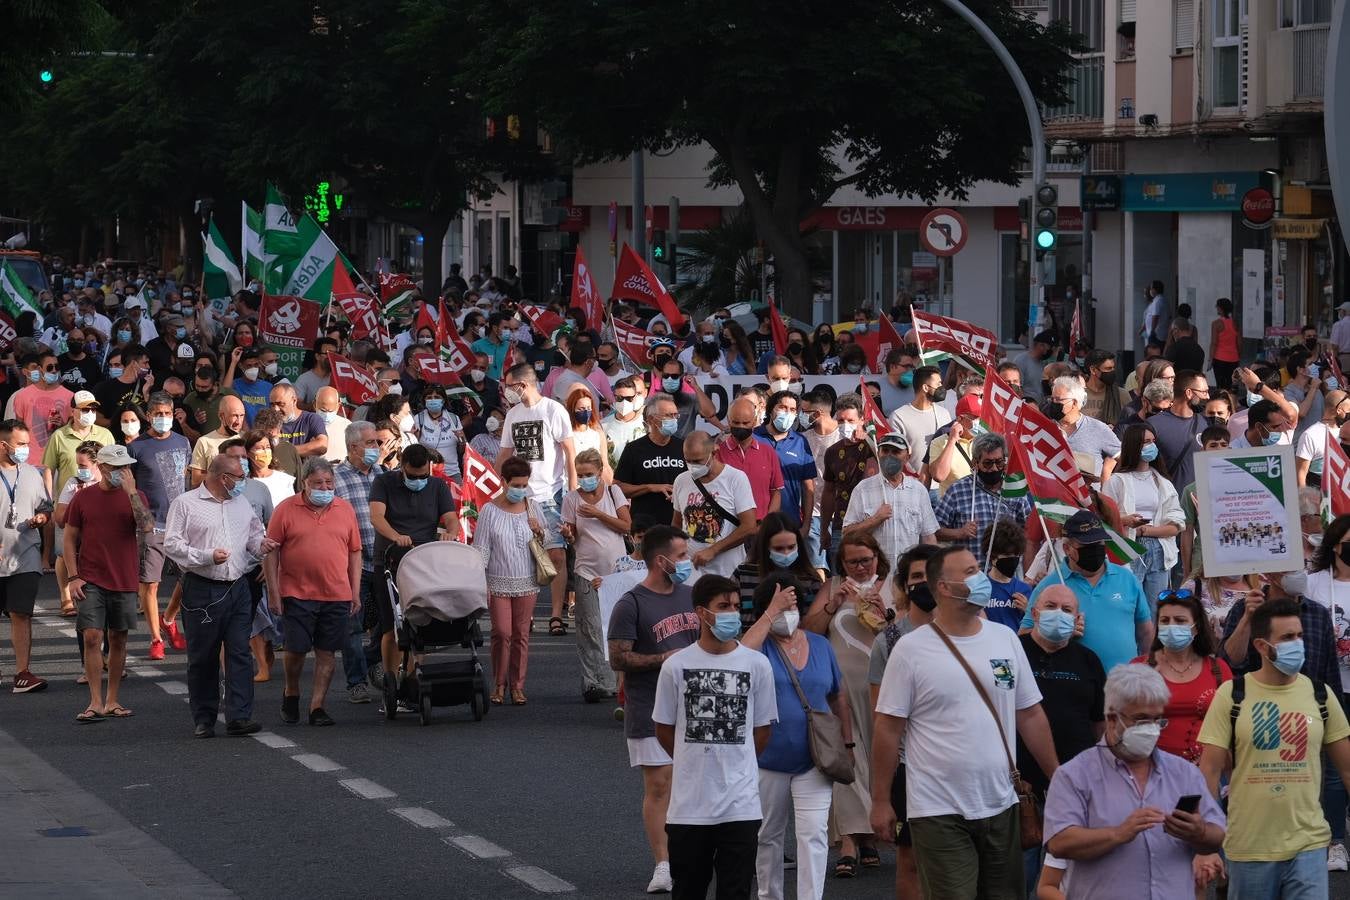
(715, 701)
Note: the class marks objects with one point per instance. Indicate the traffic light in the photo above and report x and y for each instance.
(1047, 217)
(45, 76)
(660, 252)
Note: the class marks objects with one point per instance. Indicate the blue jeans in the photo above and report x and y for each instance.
(1150, 571)
(354, 654)
(1302, 878)
(217, 614)
(813, 545)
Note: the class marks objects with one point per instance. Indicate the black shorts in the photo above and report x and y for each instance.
(902, 836)
(19, 591)
(317, 624)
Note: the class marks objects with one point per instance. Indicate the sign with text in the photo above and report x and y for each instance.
(286, 321)
(1251, 498)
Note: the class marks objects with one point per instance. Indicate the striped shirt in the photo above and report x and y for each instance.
(198, 524)
(354, 487)
(503, 538)
(968, 500)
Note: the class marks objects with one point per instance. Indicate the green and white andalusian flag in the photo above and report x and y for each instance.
(220, 274)
(310, 274)
(1119, 549)
(15, 297)
(281, 232)
(251, 244)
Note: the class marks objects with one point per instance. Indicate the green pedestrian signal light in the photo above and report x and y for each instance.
(660, 253)
(1045, 239)
(45, 76)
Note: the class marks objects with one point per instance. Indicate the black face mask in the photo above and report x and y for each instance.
(939, 395)
(921, 597)
(1007, 566)
(795, 349)
(1310, 343)
(1342, 419)
(1045, 388)
(1107, 378)
(1344, 554)
(989, 479)
(740, 433)
(1054, 410)
(1091, 557)
(1216, 421)
(1198, 406)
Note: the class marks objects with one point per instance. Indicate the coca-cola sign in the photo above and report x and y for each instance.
(1258, 206)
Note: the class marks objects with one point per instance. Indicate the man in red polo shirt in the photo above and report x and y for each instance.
(756, 458)
(313, 582)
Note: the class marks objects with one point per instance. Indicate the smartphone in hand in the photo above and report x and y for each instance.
(1189, 803)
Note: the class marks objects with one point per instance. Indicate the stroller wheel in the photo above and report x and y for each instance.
(479, 707)
(390, 695)
(426, 709)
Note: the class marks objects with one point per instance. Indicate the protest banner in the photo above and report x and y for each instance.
(1251, 523)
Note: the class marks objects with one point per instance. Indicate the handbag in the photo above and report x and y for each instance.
(824, 734)
(544, 570)
(1026, 800)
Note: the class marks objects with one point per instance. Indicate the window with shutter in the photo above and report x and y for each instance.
(1127, 10)
(1184, 25)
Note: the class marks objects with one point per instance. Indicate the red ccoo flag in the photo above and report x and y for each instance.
(634, 342)
(585, 295)
(778, 329)
(634, 280)
(480, 485)
(352, 381)
(874, 420)
(455, 355)
(1336, 475)
(1076, 327)
(886, 340)
(543, 320)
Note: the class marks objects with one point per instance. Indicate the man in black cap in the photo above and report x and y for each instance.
(1032, 362)
(1118, 622)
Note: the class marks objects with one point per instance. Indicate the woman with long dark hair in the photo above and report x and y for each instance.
(777, 547)
(1150, 509)
(736, 353)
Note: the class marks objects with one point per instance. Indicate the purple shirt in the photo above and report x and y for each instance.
(1095, 789)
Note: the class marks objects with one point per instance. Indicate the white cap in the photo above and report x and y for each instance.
(135, 303)
(185, 351)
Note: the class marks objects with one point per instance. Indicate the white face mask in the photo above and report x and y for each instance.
(251, 373)
(1138, 741)
(131, 429)
(1295, 584)
(395, 388)
(492, 424)
(779, 384)
(785, 623)
(86, 418)
(406, 424)
(697, 472)
(270, 368)
(847, 429)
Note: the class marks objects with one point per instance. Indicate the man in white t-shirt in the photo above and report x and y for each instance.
(714, 506)
(1154, 326)
(537, 430)
(962, 808)
(715, 705)
(920, 419)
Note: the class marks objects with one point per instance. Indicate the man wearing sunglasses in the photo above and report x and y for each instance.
(42, 403)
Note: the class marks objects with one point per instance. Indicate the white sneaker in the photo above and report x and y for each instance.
(661, 883)
(1337, 859)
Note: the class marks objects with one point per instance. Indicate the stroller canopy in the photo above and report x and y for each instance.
(442, 580)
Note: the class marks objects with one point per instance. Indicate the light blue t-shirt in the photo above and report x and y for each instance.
(789, 748)
(1110, 611)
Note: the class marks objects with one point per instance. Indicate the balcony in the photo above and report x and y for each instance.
(1085, 93)
(1310, 61)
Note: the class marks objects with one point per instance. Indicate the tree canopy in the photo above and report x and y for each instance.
(798, 100)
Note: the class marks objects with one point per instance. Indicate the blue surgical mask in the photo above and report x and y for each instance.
(243, 464)
(683, 569)
(782, 420)
(726, 626)
(370, 456)
(51, 377)
(782, 560)
(328, 415)
(238, 488)
(907, 379)
(19, 454)
(1271, 439)
(321, 498)
(588, 483)
(123, 336)
(1175, 637)
(180, 333)
(805, 420)
(670, 426)
(1289, 656)
(161, 423)
(83, 474)
(1253, 398)
(435, 405)
(981, 589)
(415, 484)
(517, 494)
(115, 477)
(115, 372)
(35, 376)
(671, 385)
(1148, 453)
(1055, 625)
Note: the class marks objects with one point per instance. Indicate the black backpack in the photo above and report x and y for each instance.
(1240, 692)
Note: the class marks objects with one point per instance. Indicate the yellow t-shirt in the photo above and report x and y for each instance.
(1275, 796)
(960, 464)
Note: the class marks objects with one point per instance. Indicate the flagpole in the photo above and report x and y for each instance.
(1054, 554)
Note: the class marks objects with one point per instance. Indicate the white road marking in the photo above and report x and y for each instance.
(173, 687)
(273, 740)
(367, 789)
(422, 817)
(147, 673)
(67, 632)
(316, 763)
(542, 881)
(478, 847)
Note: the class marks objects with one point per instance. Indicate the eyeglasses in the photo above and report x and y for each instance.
(619, 398)
(1167, 596)
(992, 465)
(859, 562)
(1160, 721)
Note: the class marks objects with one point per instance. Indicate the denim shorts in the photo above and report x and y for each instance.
(552, 525)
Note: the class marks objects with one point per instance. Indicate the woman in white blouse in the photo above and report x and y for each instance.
(502, 535)
(439, 429)
(1150, 510)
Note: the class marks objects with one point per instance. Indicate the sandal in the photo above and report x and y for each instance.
(118, 712)
(557, 627)
(845, 867)
(69, 612)
(869, 857)
(517, 698)
(89, 716)
(496, 698)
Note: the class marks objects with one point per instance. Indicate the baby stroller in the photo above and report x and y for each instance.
(439, 593)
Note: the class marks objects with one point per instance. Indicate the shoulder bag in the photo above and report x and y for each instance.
(544, 570)
(1026, 799)
(824, 733)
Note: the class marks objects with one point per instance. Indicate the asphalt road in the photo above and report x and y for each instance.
(529, 801)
